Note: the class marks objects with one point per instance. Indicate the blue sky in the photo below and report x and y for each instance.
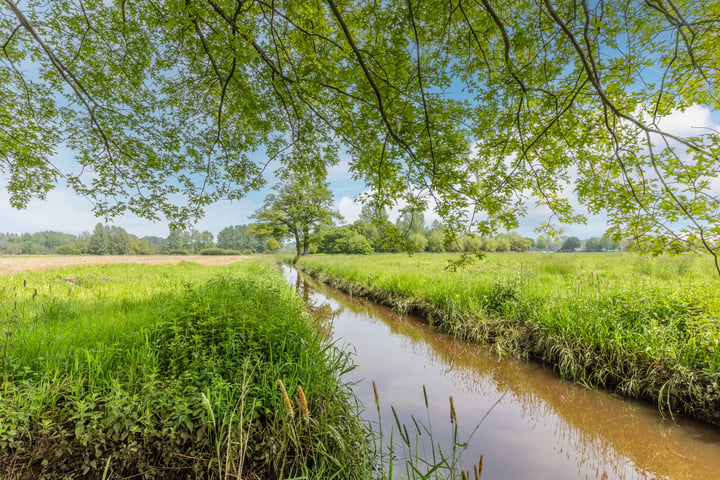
(66, 212)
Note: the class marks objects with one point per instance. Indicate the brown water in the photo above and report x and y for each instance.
(531, 424)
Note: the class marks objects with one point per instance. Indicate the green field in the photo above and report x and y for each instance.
(646, 328)
(169, 372)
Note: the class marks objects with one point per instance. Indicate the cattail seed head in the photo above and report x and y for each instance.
(453, 415)
(286, 399)
(303, 402)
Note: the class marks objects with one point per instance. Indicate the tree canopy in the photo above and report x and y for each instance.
(477, 107)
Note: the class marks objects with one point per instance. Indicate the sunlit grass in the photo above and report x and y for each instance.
(172, 370)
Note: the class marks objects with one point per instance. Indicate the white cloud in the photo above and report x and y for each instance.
(695, 120)
(349, 209)
(62, 211)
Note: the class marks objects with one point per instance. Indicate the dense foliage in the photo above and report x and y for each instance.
(476, 108)
(240, 238)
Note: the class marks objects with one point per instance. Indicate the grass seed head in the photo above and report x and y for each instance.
(286, 399)
(303, 403)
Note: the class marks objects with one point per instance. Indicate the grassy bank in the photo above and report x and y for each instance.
(169, 372)
(644, 328)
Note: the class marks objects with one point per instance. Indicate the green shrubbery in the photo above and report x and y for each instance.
(68, 250)
(216, 251)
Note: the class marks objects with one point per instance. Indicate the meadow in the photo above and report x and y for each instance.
(643, 327)
(170, 371)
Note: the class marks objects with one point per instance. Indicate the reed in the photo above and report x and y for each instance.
(288, 405)
(419, 455)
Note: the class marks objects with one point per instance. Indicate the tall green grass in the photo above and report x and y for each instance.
(647, 328)
(169, 372)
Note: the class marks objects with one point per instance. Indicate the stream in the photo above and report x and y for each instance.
(523, 419)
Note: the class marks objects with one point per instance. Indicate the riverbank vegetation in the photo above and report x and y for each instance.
(645, 328)
(170, 372)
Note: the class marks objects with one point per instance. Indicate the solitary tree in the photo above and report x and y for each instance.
(570, 244)
(297, 207)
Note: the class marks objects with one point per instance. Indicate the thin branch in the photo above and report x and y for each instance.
(77, 87)
(422, 90)
(681, 205)
(262, 53)
(601, 92)
(506, 43)
(378, 96)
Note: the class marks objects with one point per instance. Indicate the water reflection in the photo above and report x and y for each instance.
(541, 428)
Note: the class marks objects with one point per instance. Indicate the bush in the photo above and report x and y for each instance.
(359, 245)
(68, 250)
(213, 251)
(271, 245)
(177, 252)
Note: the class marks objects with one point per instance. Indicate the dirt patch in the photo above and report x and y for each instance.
(26, 263)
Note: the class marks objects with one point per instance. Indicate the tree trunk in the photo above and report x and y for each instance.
(306, 241)
(297, 244)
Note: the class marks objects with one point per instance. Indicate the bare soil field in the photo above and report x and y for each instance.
(24, 263)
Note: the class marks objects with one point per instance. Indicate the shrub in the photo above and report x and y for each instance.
(359, 245)
(68, 250)
(213, 251)
(271, 245)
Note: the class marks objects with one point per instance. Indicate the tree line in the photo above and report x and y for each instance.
(301, 209)
(364, 236)
(298, 211)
